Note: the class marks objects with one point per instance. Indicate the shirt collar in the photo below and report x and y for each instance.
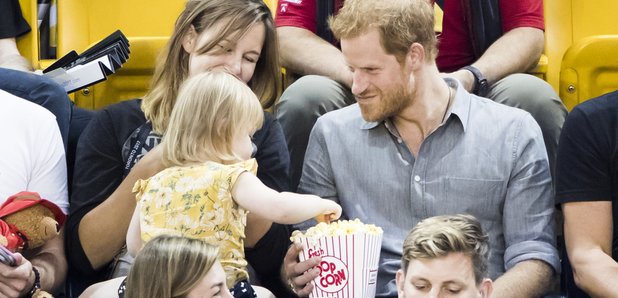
(460, 106)
(461, 103)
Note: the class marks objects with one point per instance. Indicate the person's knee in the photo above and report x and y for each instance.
(310, 95)
(50, 94)
(529, 93)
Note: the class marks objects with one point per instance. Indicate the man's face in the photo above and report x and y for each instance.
(448, 276)
(380, 83)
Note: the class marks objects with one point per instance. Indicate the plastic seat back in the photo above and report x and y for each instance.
(589, 69)
(146, 23)
(558, 37)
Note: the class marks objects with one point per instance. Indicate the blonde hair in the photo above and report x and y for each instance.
(400, 23)
(211, 110)
(173, 64)
(440, 235)
(170, 266)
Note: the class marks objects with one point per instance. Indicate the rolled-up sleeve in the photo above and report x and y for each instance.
(529, 228)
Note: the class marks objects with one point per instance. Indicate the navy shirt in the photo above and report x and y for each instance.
(587, 162)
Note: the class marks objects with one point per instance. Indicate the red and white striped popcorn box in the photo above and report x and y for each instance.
(349, 266)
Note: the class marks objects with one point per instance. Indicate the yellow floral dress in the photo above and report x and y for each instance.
(196, 201)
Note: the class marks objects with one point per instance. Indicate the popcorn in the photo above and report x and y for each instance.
(337, 228)
(350, 252)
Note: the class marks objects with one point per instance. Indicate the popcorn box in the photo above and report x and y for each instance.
(350, 254)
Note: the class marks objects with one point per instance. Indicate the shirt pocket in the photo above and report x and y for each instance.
(483, 198)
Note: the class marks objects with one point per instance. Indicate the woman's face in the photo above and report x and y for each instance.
(212, 285)
(237, 57)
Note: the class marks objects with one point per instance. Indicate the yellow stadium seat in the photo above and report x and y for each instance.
(28, 44)
(272, 4)
(589, 69)
(558, 37)
(146, 23)
(589, 66)
(596, 19)
(438, 16)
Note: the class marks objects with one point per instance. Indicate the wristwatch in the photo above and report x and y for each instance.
(481, 86)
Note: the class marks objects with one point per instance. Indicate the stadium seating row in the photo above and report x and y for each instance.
(580, 59)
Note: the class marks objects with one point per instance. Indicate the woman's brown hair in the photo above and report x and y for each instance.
(173, 64)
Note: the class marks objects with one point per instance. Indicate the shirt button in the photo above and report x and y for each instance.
(417, 178)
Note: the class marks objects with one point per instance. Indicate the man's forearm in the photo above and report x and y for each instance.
(303, 52)
(51, 262)
(531, 278)
(516, 51)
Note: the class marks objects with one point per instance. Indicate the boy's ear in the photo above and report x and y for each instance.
(189, 41)
(400, 279)
(486, 288)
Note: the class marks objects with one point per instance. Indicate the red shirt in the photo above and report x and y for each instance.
(455, 46)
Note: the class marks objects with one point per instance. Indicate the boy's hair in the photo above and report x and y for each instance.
(170, 266)
(211, 110)
(172, 68)
(400, 23)
(438, 236)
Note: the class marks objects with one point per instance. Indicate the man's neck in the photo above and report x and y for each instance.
(427, 110)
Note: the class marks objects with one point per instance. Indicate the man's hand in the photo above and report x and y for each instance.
(16, 281)
(299, 274)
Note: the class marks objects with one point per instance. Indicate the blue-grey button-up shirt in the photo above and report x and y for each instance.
(485, 159)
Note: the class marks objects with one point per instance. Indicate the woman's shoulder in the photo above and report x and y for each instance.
(119, 119)
(125, 108)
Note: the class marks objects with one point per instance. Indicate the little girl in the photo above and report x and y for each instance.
(168, 266)
(172, 266)
(210, 183)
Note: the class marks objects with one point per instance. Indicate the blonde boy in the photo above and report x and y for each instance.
(445, 256)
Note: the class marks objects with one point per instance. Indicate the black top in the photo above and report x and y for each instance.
(99, 170)
(12, 22)
(587, 161)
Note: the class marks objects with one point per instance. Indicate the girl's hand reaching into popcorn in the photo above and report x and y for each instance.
(332, 211)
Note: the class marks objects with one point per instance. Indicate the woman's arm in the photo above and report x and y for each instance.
(102, 203)
(98, 238)
(134, 234)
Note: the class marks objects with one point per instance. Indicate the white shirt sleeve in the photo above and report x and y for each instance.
(49, 172)
(32, 156)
